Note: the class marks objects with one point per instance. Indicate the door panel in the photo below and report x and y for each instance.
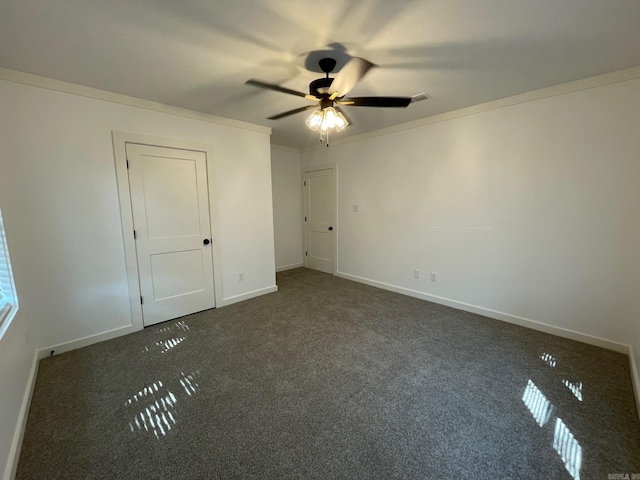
(321, 245)
(170, 203)
(320, 198)
(171, 198)
(177, 273)
(320, 225)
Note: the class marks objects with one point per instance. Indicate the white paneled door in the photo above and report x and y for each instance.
(170, 203)
(319, 225)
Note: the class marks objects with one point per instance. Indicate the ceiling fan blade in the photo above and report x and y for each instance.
(349, 76)
(278, 88)
(344, 114)
(376, 101)
(291, 112)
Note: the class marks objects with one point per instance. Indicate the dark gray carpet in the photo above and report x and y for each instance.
(332, 379)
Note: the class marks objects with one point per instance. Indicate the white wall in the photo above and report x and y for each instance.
(530, 210)
(16, 361)
(287, 206)
(60, 204)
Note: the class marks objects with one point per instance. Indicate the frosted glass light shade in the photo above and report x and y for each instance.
(315, 120)
(326, 119)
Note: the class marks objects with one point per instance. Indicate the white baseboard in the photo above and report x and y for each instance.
(635, 377)
(289, 267)
(86, 341)
(505, 317)
(523, 322)
(120, 331)
(247, 296)
(18, 435)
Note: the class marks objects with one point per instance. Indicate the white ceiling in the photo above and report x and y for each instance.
(197, 54)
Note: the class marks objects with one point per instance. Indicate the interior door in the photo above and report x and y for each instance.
(319, 202)
(170, 203)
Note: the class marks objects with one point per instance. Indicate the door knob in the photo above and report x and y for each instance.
(206, 241)
(330, 228)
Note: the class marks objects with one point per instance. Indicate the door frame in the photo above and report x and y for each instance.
(120, 139)
(336, 230)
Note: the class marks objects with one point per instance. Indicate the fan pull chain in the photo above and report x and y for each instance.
(322, 134)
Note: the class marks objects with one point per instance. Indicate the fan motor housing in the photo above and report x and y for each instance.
(320, 87)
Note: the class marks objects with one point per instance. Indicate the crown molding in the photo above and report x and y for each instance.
(553, 91)
(82, 91)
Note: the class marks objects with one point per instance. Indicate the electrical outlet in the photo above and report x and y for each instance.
(240, 276)
(416, 274)
(434, 277)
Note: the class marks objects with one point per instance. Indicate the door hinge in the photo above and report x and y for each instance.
(305, 183)
(127, 164)
(306, 254)
(305, 219)
(141, 300)
(135, 235)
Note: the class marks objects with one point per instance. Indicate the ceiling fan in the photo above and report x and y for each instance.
(330, 94)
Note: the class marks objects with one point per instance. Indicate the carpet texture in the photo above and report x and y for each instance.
(327, 379)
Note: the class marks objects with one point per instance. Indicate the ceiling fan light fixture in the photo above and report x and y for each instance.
(326, 119)
(315, 120)
(340, 122)
(329, 120)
